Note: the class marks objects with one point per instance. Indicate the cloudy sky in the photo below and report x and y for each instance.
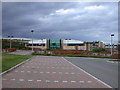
(85, 21)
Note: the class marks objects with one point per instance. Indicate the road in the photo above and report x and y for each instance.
(50, 72)
(98, 67)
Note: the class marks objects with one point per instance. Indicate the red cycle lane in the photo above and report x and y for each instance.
(50, 72)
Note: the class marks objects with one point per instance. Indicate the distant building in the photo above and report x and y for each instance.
(114, 47)
(65, 44)
(95, 44)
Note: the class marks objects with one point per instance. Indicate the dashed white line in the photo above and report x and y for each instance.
(60, 72)
(16, 71)
(56, 81)
(73, 81)
(21, 79)
(81, 81)
(47, 80)
(39, 80)
(65, 81)
(89, 81)
(22, 71)
(30, 80)
(13, 79)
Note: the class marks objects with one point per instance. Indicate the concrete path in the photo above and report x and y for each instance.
(50, 72)
(22, 52)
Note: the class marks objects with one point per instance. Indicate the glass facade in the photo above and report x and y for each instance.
(55, 44)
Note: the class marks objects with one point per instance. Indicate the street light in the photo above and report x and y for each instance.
(42, 44)
(32, 39)
(111, 43)
(10, 40)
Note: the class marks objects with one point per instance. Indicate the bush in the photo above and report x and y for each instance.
(10, 49)
(99, 50)
(15, 44)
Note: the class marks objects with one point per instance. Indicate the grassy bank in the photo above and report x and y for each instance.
(77, 55)
(10, 60)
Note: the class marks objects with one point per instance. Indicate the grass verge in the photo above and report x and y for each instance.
(10, 60)
(77, 55)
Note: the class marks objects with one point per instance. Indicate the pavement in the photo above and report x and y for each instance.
(101, 68)
(22, 52)
(50, 72)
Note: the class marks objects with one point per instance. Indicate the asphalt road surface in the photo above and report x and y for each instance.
(98, 67)
(50, 72)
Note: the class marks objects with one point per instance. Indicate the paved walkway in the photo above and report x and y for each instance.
(22, 52)
(49, 72)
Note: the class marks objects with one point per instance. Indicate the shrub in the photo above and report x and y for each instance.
(10, 49)
(99, 50)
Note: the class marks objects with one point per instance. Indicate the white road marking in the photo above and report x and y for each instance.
(30, 80)
(21, 79)
(65, 81)
(89, 81)
(73, 81)
(81, 81)
(47, 80)
(56, 81)
(13, 79)
(39, 80)
(16, 71)
(60, 72)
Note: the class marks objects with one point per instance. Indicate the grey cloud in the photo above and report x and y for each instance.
(20, 18)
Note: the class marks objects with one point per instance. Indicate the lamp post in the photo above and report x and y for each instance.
(42, 44)
(32, 39)
(111, 43)
(10, 40)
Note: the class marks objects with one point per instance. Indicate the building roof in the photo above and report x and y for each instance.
(73, 41)
(38, 41)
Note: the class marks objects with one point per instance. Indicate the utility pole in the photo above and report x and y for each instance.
(10, 41)
(32, 39)
(111, 44)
